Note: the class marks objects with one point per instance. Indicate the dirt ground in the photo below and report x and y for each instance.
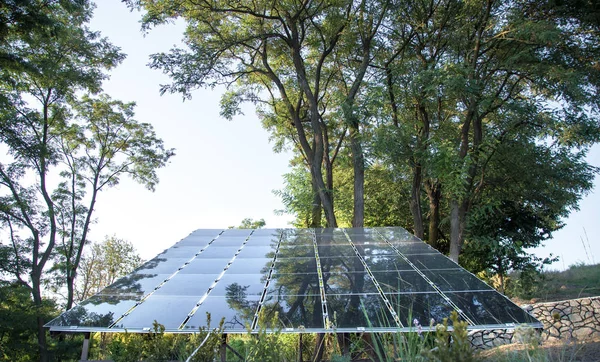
(580, 351)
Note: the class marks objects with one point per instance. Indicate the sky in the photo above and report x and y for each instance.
(225, 171)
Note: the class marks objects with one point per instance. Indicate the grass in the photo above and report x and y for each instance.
(578, 281)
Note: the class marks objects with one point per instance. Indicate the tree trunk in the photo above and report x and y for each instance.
(434, 193)
(41, 331)
(70, 289)
(457, 227)
(316, 212)
(358, 164)
(415, 202)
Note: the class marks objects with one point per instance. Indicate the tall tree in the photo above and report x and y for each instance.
(508, 62)
(285, 56)
(34, 108)
(102, 144)
(38, 103)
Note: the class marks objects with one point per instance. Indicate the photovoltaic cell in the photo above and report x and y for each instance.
(301, 280)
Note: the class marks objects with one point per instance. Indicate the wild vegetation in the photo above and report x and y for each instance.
(467, 122)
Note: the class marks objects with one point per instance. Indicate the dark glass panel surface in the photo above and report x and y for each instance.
(250, 266)
(490, 308)
(219, 253)
(391, 263)
(187, 284)
(166, 310)
(295, 265)
(294, 284)
(97, 311)
(359, 311)
(432, 261)
(162, 266)
(405, 281)
(342, 264)
(136, 284)
(257, 252)
(292, 311)
(205, 266)
(185, 252)
(239, 284)
(333, 251)
(424, 307)
(296, 251)
(238, 313)
(348, 283)
(455, 280)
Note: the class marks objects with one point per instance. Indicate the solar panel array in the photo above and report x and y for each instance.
(295, 280)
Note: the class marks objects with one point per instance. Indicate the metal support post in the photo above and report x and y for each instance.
(85, 351)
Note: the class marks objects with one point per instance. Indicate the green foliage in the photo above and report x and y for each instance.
(249, 223)
(18, 323)
(451, 345)
(160, 346)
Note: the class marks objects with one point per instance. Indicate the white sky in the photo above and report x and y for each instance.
(223, 171)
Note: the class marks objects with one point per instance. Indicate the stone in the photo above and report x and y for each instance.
(575, 318)
(583, 332)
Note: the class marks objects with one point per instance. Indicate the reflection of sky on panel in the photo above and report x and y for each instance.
(169, 311)
(161, 265)
(138, 284)
(205, 266)
(250, 266)
(187, 285)
(97, 311)
(257, 252)
(223, 252)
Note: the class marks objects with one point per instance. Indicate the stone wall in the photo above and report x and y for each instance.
(568, 319)
(575, 319)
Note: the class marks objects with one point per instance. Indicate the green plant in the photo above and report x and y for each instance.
(452, 345)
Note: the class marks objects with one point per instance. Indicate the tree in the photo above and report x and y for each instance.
(103, 264)
(285, 57)
(249, 223)
(18, 322)
(473, 83)
(523, 203)
(101, 146)
(41, 131)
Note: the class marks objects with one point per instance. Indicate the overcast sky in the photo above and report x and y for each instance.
(225, 171)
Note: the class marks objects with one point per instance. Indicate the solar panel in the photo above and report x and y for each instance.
(295, 280)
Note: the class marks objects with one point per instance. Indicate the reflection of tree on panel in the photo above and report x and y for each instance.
(237, 299)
